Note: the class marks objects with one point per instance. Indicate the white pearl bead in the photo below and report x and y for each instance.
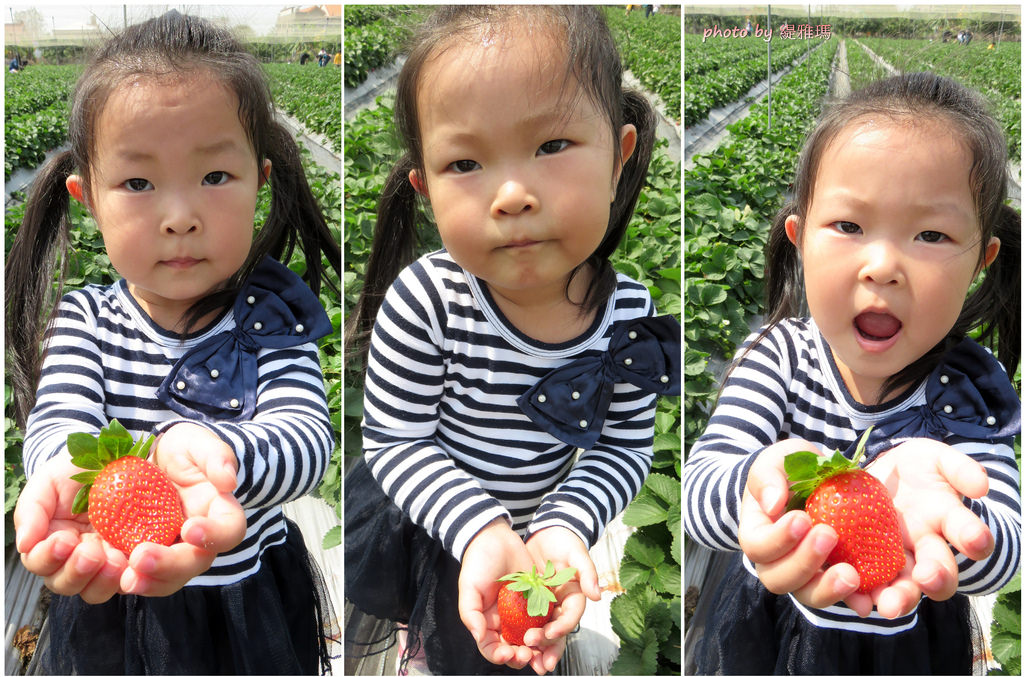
(234, 404)
(664, 378)
(628, 361)
(583, 424)
(943, 379)
(251, 300)
(180, 385)
(575, 395)
(542, 398)
(214, 373)
(991, 420)
(632, 334)
(948, 409)
(299, 328)
(257, 326)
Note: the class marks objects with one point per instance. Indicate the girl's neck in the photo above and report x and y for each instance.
(552, 316)
(170, 315)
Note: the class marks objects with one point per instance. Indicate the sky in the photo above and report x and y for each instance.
(260, 17)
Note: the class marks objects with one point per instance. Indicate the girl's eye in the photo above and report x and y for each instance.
(932, 236)
(216, 178)
(553, 146)
(846, 227)
(463, 166)
(137, 185)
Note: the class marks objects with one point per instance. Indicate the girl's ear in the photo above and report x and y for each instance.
(418, 184)
(76, 187)
(264, 173)
(991, 250)
(627, 144)
(792, 229)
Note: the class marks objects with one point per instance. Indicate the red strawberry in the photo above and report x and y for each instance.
(129, 499)
(526, 600)
(854, 503)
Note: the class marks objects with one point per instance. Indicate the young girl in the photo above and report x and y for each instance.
(207, 341)
(898, 209)
(492, 360)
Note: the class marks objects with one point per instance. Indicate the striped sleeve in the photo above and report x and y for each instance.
(405, 382)
(749, 417)
(1000, 511)
(71, 395)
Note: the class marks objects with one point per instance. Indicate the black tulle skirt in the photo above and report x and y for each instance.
(394, 570)
(746, 630)
(271, 623)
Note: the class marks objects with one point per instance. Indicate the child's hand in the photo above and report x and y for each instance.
(787, 551)
(927, 480)
(494, 552)
(564, 549)
(203, 468)
(62, 547)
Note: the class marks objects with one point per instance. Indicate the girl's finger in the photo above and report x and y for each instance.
(765, 541)
(967, 533)
(964, 474)
(798, 567)
(47, 557)
(935, 569)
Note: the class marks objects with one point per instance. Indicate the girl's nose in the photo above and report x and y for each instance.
(513, 197)
(882, 263)
(180, 217)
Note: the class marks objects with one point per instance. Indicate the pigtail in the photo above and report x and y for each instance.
(995, 304)
(38, 250)
(295, 215)
(783, 280)
(394, 246)
(632, 179)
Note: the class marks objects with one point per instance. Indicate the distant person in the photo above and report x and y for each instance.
(304, 58)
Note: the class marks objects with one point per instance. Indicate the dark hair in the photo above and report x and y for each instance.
(995, 303)
(591, 60)
(171, 45)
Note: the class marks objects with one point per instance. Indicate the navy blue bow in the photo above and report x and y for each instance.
(571, 402)
(217, 378)
(968, 397)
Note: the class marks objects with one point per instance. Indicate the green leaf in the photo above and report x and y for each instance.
(332, 538)
(83, 450)
(81, 502)
(644, 510)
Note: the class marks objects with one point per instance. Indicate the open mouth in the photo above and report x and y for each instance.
(877, 326)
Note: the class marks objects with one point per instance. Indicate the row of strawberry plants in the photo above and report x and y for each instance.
(35, 114)
(373, 36)
(311, 95)
(995, 73)
(731, 67)
(647, 616)
(649, 46)
(732, 194)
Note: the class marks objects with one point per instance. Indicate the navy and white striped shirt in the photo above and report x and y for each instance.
(106, 358)
(788, 386)
(442, 432)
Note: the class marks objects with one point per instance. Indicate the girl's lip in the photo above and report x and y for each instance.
(181, 262)
(521, 243)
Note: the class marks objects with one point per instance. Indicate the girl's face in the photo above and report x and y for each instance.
(173, 190)
(890, 246)
(519, 179)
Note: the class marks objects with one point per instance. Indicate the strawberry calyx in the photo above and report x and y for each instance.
(94, 453)
(806, 470)
(536, 588)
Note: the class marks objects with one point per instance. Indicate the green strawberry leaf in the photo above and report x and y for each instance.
(806, 470)
(563, 576)
(81, 502)
(82, 447)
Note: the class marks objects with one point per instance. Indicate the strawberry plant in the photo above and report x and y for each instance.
(310, 95)
(649, 47)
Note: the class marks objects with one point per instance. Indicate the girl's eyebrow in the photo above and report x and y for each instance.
(224, 145)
